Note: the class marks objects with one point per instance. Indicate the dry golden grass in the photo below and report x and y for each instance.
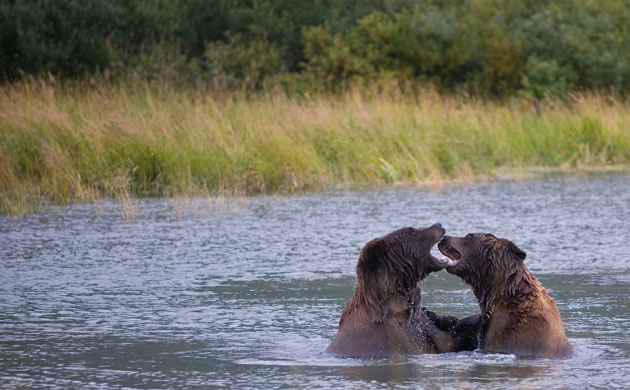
(61, 143)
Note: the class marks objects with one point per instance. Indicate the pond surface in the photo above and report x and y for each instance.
(248, 292)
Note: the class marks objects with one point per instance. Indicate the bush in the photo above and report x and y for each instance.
(496, 47)
(243, 63)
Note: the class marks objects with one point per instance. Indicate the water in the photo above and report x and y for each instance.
(248, 292)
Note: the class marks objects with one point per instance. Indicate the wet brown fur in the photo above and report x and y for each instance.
(385, 316)
(522, 318)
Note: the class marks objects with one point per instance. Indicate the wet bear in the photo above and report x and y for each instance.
(517, 315)
(384, 317)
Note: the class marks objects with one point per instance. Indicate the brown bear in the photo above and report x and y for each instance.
(384, 317)
(518, 315)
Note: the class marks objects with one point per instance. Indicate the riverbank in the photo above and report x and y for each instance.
(79, 142)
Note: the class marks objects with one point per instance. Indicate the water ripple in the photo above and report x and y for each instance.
(249, 294)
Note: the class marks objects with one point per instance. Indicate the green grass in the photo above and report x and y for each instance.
(79, 142)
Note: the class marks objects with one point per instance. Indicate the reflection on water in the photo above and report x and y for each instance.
(192, 295)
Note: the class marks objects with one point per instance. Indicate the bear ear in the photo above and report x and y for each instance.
(372, 254)
(515, 250)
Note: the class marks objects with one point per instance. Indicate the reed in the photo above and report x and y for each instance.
(79, 142)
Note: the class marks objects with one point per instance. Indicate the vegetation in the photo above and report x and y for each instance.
(119, 99)
(490, 48)
(73, 142)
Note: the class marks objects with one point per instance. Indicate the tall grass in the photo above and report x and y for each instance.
(78, 142)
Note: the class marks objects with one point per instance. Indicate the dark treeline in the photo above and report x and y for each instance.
(494, 47)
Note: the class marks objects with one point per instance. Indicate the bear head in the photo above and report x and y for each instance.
(395, 263)
(491, 266)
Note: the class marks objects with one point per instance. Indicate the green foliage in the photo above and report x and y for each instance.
(328, 61)
(51, 36)
(496, 47)
(249, 63)
(547, 78)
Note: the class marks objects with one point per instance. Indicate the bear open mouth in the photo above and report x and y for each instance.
(453, 254)
(441, 260)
